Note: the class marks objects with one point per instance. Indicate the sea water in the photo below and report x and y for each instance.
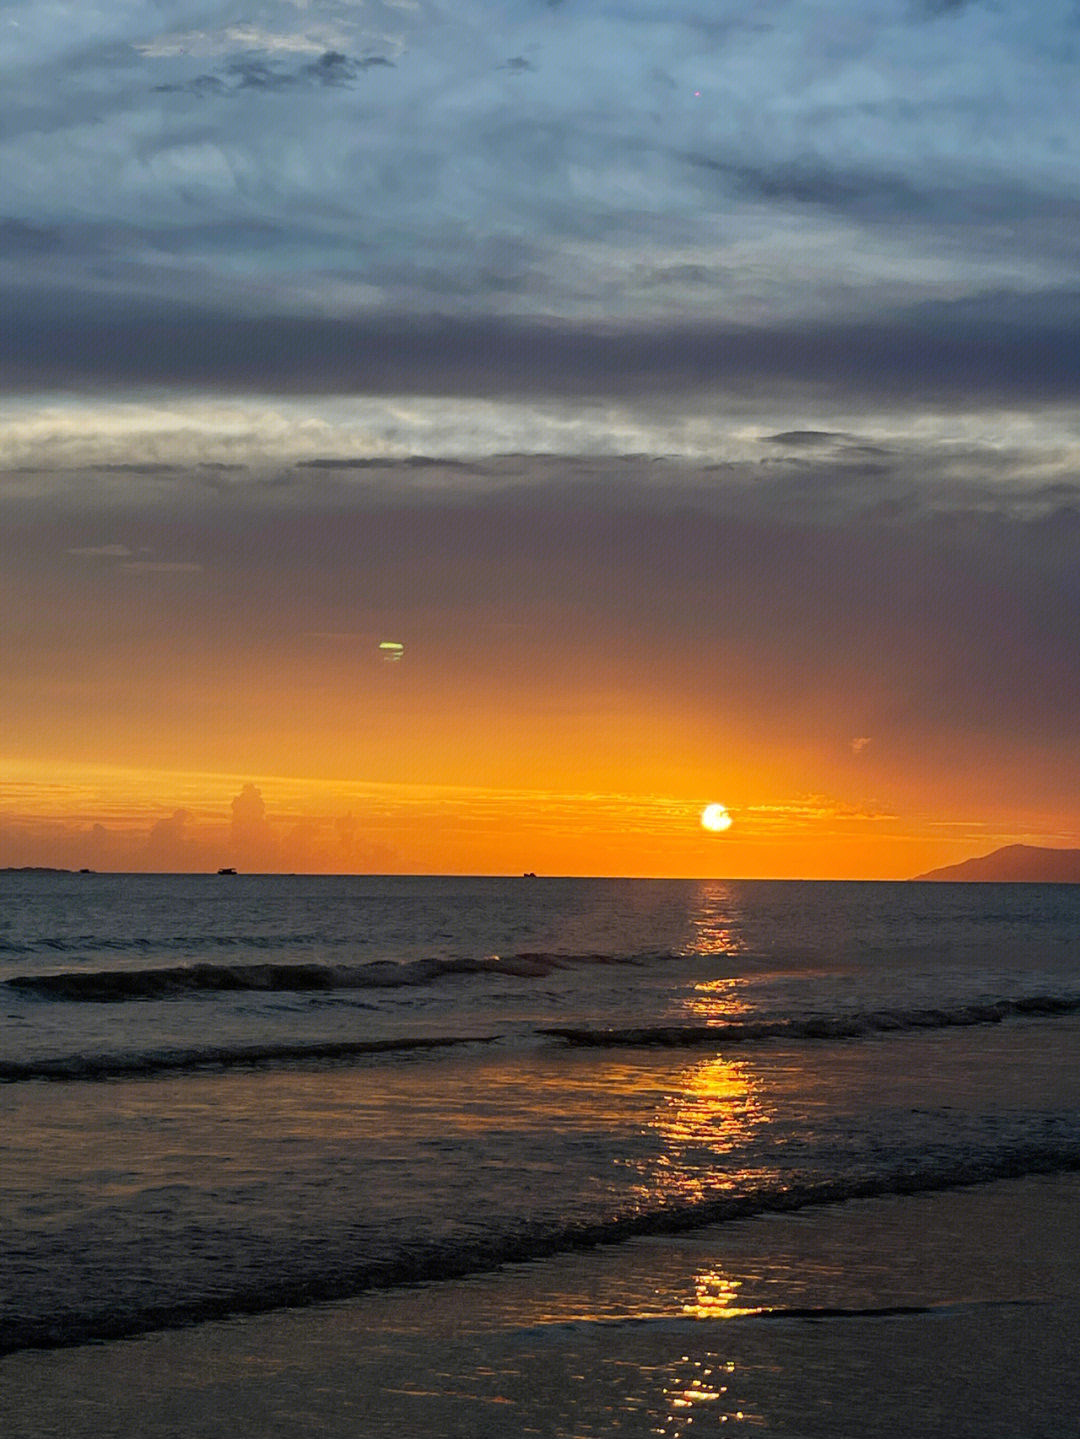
(241, 1095)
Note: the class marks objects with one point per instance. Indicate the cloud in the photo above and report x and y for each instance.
(253, 842)
(842, 188)
(138, 468)
(289, 443)
(168, 844)
(161, 567)
(810, 810)
(19, 241)
(203, 87)
(109, 552)
(332, 70)
(601, 194)
(859, 743)
(807, 439)
(187, 842)
(384, 462)
(992, 352)
(935, 9)
(226, 41)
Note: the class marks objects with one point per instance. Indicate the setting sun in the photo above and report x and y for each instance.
(715, 817)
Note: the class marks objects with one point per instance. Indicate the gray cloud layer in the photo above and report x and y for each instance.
(989, 351)
(594, 199)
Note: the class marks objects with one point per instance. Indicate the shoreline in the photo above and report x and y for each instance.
(846, 1315)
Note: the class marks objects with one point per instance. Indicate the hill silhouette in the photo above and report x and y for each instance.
(1015, 863)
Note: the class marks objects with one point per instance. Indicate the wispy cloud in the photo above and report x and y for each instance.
(161, 567)
(102, 552)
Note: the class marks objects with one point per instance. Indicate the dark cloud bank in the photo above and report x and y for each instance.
(988, 352)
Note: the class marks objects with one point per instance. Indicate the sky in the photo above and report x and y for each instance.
(689, 389)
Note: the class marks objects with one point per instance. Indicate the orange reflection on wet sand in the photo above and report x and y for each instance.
(698, 1383)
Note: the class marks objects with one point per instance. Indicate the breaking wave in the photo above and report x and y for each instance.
(809, 1029)
(117, 1066)
(108, 986)
(349, 1275)
(835, 1026)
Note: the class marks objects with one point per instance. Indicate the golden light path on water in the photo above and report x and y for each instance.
(710, 1112)
(713, 1108)
(715, 922)
(715, 930)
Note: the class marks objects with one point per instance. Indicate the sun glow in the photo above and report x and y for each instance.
(715, 817)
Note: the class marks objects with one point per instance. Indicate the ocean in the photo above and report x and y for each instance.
(567, 1157)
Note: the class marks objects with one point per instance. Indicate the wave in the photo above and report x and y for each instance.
(835, 1026)
(109, 986)
(816, 1313)
(190, 943)
(805, 1313)
(434, 1261)
(822, 1027)
(118, 1066)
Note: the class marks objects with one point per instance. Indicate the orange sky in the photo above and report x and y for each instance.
(193, 678)
(113, 818)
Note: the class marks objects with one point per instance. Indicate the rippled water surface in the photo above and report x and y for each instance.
(229, 1093)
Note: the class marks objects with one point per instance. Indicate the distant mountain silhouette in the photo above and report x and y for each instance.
(1017, 864)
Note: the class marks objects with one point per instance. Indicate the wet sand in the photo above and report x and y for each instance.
(952, 1314)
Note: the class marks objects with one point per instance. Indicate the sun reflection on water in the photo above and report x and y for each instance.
(714, 1297)
(705, 1122)
(716, 922)
(715, 930)
(718, 1001)
(713, 1109)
